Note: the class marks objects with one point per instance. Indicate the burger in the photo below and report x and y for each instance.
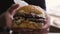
(29, 17)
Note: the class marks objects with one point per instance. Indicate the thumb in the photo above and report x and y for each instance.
(12, 8)
(47, 23)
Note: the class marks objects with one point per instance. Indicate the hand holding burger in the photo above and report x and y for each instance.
(30, 16)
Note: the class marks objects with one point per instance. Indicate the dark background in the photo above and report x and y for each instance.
(5, 4)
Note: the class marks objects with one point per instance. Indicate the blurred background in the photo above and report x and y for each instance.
(53, 9)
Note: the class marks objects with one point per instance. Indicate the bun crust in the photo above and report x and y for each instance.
(31, 9)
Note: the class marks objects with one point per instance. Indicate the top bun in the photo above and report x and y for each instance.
(30, 9)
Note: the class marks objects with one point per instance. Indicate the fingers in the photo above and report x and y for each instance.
(47, 19)
(47, 23)
(12, 8)
(9, 14)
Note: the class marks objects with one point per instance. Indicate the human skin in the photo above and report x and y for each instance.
(10, 13)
